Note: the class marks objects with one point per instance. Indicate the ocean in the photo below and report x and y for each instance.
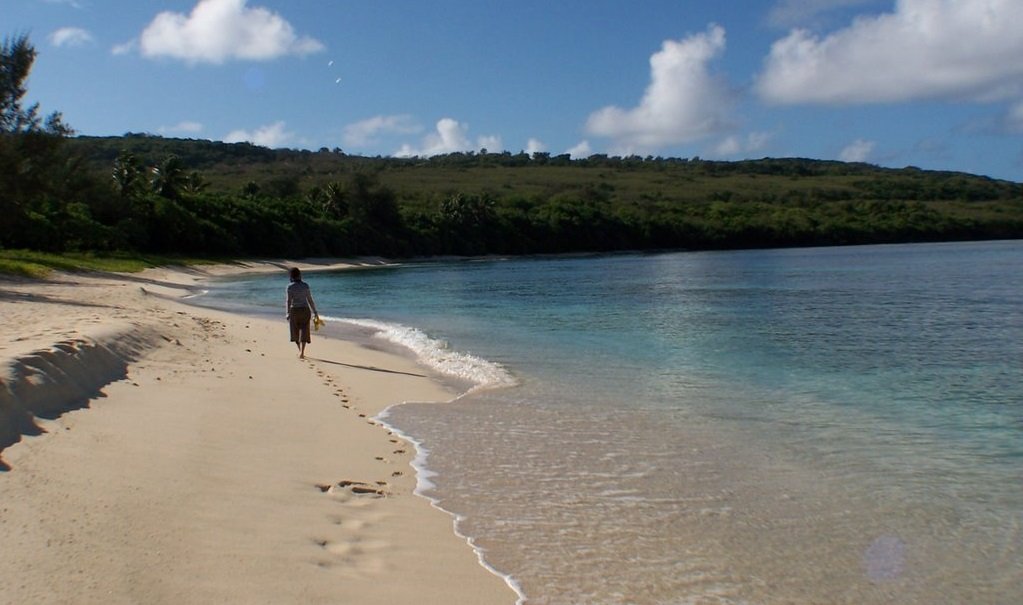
(817, 425)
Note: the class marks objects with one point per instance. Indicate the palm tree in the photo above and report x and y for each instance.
(127, 174)
(195, 183)
(334, 203)
(168, 179)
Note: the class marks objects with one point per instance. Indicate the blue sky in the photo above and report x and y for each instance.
(936, 84)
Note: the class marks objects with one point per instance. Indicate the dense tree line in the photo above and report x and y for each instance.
(150, 194)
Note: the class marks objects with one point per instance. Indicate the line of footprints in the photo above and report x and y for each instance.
(356, 488)
(348, 549)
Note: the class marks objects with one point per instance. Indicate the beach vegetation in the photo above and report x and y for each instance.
(36, 264)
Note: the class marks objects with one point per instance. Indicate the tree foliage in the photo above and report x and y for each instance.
(16, 58)
(148, 194)
(34, 177)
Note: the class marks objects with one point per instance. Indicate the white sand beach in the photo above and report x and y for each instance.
(155, 452)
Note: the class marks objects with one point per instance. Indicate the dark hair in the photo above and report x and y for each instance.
(296, 275)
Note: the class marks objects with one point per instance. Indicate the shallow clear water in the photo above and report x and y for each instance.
(839, 425)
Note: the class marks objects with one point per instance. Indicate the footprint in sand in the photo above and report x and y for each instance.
(353, 557)
(346, 523)
(348, 487)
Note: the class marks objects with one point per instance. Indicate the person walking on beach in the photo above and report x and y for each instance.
(300, 309)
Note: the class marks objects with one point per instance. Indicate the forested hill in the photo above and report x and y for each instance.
(155, 194)
(230, 167)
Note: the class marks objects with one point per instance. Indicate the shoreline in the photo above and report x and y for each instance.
(423, 484)
(187, 468)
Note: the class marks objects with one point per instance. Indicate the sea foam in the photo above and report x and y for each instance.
(438, 355)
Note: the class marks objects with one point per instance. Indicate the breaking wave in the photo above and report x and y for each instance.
(438, 355)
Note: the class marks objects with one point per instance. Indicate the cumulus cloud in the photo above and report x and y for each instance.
(683, 102)
(272, 135)
(534, 146)
(70, 37)
(219, 30)
(734, 145)
(450, 136)
(581, 150)
(857, 151)
(492, 143)
(184, 127)
(925, 49)
(365, 132)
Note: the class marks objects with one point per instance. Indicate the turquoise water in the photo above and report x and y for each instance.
(837, 425)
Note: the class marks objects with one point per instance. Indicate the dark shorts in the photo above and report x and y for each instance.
(300, 317)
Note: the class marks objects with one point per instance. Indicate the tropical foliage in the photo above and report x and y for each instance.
(149, 194)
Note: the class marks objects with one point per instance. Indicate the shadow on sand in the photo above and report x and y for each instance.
(367, 368)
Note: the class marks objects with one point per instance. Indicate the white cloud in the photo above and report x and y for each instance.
(581, 150)
(124, 49)
(534, 146)
(272, 135)
(857, 151)
(734, 145)
(728, 147)
(492, 143)
(925, 49)
(186, 127)
(365, 132)
(683, 102)
(450, 136)
(219, 30)
(70, 37)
